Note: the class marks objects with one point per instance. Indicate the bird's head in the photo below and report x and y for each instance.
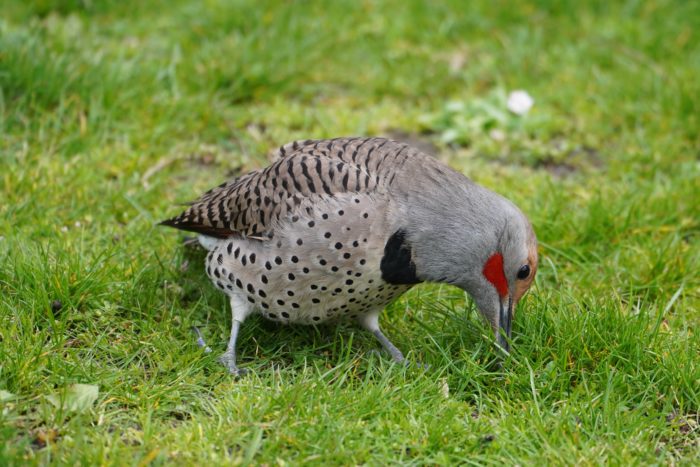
(506, 272)
(486, 246)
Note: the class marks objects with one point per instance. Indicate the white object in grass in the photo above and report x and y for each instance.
(520, 102)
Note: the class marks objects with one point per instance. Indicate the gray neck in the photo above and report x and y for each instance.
(451, 224)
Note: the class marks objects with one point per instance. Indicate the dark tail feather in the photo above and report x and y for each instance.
(217, 232)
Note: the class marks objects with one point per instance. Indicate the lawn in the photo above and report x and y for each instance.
(113, 112)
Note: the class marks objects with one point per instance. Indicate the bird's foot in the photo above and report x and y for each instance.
(399, 359)
(229, 361)
(200, 340)
(419, 365)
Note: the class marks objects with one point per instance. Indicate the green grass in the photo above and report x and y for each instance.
(113, 112)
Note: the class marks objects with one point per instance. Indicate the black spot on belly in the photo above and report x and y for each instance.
(396, 264)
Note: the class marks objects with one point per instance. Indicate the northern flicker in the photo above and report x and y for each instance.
(339, 228)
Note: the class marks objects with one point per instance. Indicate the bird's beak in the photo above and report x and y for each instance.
(504, 320)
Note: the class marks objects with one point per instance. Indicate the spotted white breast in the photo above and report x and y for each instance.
(322, 264)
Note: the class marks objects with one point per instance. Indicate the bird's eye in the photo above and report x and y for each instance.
(523, 272)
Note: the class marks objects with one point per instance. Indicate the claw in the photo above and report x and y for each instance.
(405, 362)
(419, 365)
(239, 372)
(229, 361)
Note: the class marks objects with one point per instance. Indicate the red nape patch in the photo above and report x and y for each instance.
(493, 271)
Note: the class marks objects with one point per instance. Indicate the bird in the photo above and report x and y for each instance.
(336, 229)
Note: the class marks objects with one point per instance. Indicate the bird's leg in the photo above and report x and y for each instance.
(396, 354)
(370, 322)
(229, 357)
(239, 312)
(201, 343)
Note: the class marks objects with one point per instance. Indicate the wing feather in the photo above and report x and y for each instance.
(251, 204)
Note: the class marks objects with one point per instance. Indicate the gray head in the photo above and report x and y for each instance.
(507, 269)
(468, 236)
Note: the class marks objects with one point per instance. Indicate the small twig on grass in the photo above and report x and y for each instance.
(162, 163)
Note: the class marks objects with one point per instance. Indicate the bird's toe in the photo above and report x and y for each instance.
(229, 361)
(237, 372)
(417, 365)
